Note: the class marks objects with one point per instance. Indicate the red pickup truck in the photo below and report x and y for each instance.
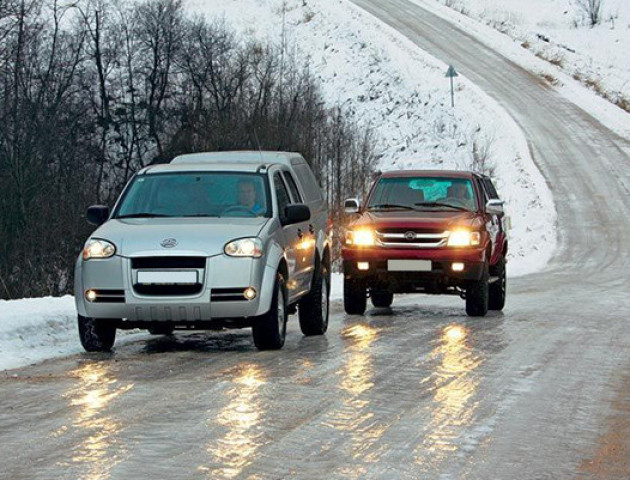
(435, 232)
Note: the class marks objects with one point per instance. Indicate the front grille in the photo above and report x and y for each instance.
(398, 230)
(168, 262)
(403, 238)
(168, 290)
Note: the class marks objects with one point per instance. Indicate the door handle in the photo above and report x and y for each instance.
(311, 228)
(299, 233)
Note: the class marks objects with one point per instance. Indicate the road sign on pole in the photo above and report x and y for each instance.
(451, 73)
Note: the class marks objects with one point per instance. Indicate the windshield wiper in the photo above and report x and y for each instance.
(440, 204)
(143, 215)
(383, 206)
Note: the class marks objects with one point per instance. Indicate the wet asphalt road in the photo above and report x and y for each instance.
(541, 391)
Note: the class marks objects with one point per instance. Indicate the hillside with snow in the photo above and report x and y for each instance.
(560, 33)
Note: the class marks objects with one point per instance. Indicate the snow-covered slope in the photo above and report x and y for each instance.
(560, 32)
(553, 38)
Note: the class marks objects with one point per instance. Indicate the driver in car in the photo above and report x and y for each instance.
(247, 197)
(458, 193)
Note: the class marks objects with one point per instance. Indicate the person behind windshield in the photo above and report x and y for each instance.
(248, 198)
(458, 194)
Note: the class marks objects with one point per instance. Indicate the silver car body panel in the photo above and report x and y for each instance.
(205, 238)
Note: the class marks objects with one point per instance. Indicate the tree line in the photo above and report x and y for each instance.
(94, 90)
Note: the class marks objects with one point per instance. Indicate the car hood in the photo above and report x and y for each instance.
(438, 221)
(192, 236)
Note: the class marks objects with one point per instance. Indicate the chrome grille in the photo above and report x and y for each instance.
(410, 238)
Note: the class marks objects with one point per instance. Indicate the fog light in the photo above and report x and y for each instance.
(90, 295)
(457, 267)
(249, 293)
(363, 265)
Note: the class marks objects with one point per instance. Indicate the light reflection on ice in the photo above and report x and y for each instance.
(241, 417)
(96, 390)
(455, 386)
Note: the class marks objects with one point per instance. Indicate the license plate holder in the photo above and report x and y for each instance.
(409, 265)
(168, 278)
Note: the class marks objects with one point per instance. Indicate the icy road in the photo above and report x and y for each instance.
(418, 392)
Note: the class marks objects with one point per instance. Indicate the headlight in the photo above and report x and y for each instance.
(360, 238)
(244, 247)
(464, 238)
(96, 248)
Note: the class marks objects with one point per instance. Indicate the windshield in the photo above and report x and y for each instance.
(423, 193)
(196, 194)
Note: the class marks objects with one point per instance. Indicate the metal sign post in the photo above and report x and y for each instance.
(451, 73)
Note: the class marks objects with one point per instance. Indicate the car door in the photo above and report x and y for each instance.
(502, 219)
(306, 231)
(291, 235)
(493, 222)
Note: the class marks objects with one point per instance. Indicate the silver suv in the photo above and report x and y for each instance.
(209, 241)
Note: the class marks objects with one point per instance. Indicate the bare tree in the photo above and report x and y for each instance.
(592, 9)
(93, 90)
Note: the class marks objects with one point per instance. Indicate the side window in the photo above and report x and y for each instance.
(309, 183)
(492, 192)
(484, 190)
(295, 193)
(282, 195)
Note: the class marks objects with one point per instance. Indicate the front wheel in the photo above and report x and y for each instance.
(497, 292)
(96, 334)
(269, 331)
(477, 295)
(313, 308)
(354, 297)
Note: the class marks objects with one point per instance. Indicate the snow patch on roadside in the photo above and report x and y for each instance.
(36, 329)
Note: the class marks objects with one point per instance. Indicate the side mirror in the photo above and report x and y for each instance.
(97, 214)
(494, 207)
(296, 213)
(351, 205)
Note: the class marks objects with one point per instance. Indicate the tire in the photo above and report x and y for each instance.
(313, 308)
(270, 329)
(382, 299)
(354, 297)
(477, 295)
(497, 290)
(161, 329)
(96, 335)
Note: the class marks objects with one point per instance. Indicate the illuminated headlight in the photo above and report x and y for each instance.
(360, 238)
(244, 247)
(96, 248)
(464, 238)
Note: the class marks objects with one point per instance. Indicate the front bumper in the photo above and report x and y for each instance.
(218, 295)
(441, 275)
